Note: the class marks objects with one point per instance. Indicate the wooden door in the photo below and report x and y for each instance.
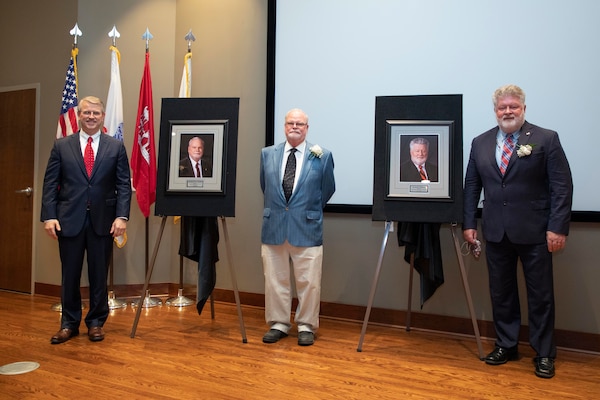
(17, 135)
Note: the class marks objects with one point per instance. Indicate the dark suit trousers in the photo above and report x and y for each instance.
(72, 250)
(537, 269)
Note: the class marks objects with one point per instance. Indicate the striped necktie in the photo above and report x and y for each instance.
(507, 149)
(422, 173)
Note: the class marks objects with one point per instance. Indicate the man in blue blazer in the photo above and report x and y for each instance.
(526, 215)
(85, 211)
(297, 180)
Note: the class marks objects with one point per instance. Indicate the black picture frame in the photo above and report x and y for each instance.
(399, 119)
(216, 121)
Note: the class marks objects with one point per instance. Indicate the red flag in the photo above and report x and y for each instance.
(67, 121)
(143, 160)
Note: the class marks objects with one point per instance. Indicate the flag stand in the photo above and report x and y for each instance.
(180, 300)
(231, 270)
(388, 226)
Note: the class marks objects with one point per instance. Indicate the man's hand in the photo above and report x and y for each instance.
(555, 241)
(119, 226)
(51, 226)
(470, 235)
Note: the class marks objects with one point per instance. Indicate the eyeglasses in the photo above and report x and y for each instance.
(87, 113)
(512, 107)
(298, 124)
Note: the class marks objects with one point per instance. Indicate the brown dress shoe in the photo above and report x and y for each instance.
(96, 333)
(63, 335)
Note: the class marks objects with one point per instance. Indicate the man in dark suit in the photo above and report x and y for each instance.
(418, 168)
(526, 213)
(194, 166)
(85, 210)
(297, 180)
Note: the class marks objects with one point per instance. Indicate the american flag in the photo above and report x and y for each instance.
(67, 121)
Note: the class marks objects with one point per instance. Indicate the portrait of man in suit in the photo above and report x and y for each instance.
(419, 167)
(195, 165)
(296, 178)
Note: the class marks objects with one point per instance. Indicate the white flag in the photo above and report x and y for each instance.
(185, 89)
(113, 121)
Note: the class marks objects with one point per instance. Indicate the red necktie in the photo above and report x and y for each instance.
(422, 172)
(198, 173)
(89, 157)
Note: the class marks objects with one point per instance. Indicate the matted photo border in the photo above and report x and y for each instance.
(403, 174)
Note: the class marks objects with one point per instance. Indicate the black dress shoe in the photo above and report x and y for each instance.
(500, 355)
(96, 333)
(306, 338)
(273, 336)
(63, 335)
(544, 367)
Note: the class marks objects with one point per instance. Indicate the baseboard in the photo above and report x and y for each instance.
(578, 341)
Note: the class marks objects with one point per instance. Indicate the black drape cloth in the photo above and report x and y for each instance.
(423, 239)
(199, 240)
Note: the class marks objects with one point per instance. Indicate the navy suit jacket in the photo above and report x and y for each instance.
(301, 220)
(68, 190)
(534, 195)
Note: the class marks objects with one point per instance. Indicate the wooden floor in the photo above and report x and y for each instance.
(177, 354)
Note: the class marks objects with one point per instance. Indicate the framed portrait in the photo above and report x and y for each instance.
(431, 126)
(197, 155)
(192, 130)
(419, 154)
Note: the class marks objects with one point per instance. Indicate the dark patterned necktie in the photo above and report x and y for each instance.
(198, 172)
(289, 174)
(89, 157)
(422, 173)
(507, 149)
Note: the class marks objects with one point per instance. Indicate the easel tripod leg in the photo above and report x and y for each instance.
(388, 225)
(463, 274)
(234, 281)
(148, 276)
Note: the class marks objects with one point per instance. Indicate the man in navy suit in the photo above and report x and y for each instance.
(85, 211)
(526, 215)
(297, 180)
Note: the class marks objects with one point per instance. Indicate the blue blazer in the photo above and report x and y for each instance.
(534, 195)
(68, 190)
(301, 220)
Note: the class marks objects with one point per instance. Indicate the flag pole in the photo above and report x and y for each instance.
(113, 302)
(147, 301)
(185, 90)
(68, 127)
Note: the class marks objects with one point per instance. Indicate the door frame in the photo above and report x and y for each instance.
(36, 179)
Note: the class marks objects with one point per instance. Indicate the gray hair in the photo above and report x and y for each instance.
(419, 140)
(508, 90)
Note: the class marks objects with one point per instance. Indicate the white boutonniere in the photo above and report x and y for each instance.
(316, 151)
(525, 149)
